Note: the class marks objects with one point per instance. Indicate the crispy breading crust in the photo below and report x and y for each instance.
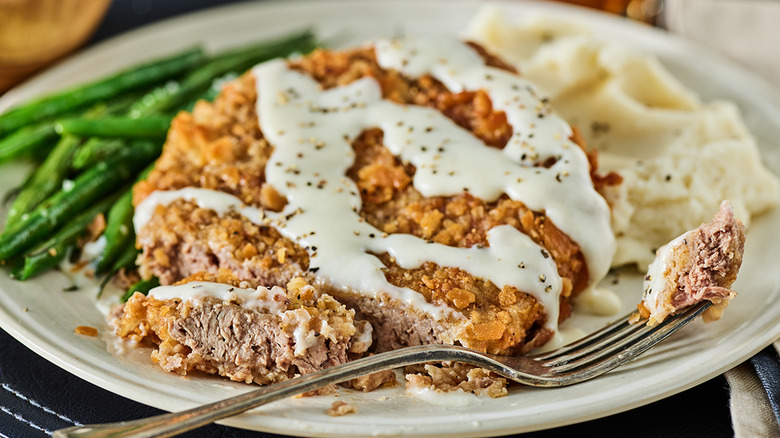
(220, 146)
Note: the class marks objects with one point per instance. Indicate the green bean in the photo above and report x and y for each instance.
(95, 150)
(50, 253)
(301, 42)
(47, 179)
(42, 210)
(87, 188)
(126, 260)
(172, 98)
(143, 286)
(124, 127)
(14, 192)
(30, 140)
(102, 89)
(212, 92)
(148, 103)
(165, 96)
(119, 231)
(26, 140)
(216, 86)
(35, 264)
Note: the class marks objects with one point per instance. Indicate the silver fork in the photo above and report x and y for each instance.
(581, 360)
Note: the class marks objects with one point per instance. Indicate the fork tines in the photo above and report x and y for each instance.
(614, 344)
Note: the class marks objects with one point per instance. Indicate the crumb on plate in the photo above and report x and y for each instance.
(86, 330)
(340, 408)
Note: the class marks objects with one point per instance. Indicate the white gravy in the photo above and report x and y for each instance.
(312, 131)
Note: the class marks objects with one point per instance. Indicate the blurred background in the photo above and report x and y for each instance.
(36, 33)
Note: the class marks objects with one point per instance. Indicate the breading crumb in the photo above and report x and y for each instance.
(448, 377)
(373, 381)
(87, 330)
(340, 408)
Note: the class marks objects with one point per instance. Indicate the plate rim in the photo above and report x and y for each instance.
(71, 362)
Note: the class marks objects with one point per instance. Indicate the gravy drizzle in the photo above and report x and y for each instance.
(312, 131)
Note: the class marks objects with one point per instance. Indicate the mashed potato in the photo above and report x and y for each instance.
(679, 157)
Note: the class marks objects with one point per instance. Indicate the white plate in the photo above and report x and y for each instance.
(43, 317)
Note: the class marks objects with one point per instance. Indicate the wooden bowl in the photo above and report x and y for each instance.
(35, 33)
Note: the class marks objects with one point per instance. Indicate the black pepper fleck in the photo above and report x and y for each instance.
(599, 127)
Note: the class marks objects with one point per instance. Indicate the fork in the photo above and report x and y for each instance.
(584, 359)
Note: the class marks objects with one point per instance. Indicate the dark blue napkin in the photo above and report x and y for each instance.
(767, 366)
(37, 398)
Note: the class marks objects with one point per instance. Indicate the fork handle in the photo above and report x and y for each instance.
(168, 425)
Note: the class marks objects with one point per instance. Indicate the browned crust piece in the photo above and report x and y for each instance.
(455, 376)
(220, 146)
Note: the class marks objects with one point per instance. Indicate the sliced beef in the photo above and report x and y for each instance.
(716, 255)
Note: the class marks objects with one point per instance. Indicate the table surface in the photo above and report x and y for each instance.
(37, 397)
